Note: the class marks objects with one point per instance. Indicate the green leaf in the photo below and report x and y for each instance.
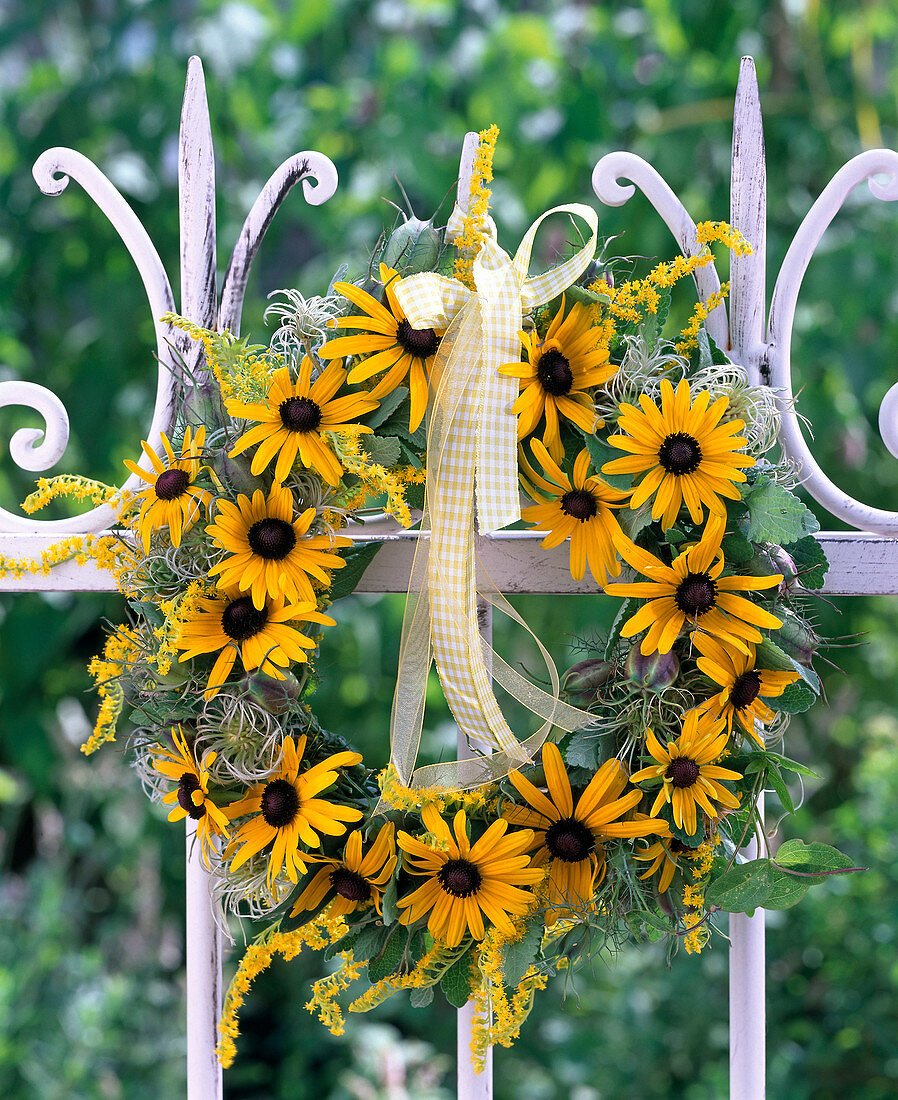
(388, 903)
(456, 982)
(653, 323)
(692, 839)
(520, 954)
(633, 522)
(582, 751)
(776, 781)
(654, 920)
(627, 608)
(345, 943)
(600, 453)
(386, 408)
(787, 890)
(397, 424)
(708, 354)
(382, 450)
(736, 548)
(387, 960)
(370, 942)
(810, 561)
(769, 655)
(793, 766)
(776, 515)
(421, 997)
(742, 888)
(357, 559)
(817, 860)
(414, 493)
(796, 699)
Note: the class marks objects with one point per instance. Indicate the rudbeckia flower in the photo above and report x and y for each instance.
(686, 453)
(688, 771)
(191, 796)
(690, 593)
(662, 855)
(294, 418)
(266, 637)
(467, 882)
(578, 508)
(568, 837)
(271, 554)
(172, 499)
(743, 686)
(286, 811)
(389, 342)
(358, 878)
(556, 374)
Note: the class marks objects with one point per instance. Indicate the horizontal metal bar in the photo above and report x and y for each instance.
(859, 564)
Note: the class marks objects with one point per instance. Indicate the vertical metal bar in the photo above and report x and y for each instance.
(748, 1009)
(748, 214)
(196, 203)
(471, 1085)
(203, 948)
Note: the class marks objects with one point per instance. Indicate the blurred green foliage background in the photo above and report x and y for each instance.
(91, 911)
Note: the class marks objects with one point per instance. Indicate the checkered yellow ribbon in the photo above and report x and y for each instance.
(472, 439)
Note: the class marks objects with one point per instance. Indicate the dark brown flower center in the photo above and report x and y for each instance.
(272, 539)
(680, 454)
(241, 620)
(554, 373)
(569, 840)
(280, 803)
(187, 784)
(350, 884)
(579, 504)
(682, 772)
(459, 877)
(420, 342)
(745, 690)
(300, 414)
(696, 593)
(678, 848)
(171, 484)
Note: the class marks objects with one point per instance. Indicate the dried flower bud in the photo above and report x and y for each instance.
(234, 472)
(770, 559)
(203, 404)
(275, 696)
(414, 246)
(653, 671)
(583, 680)
(796, 637)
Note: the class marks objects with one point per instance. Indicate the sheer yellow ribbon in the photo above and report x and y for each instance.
(472, 436)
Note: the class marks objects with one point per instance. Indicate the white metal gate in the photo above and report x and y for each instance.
(861, 562)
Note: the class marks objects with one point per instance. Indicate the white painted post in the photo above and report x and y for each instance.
(203, 965)
(471, 1085)
(196, 202)
(748, 214)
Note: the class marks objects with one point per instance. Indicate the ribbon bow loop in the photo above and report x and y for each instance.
(472, 441)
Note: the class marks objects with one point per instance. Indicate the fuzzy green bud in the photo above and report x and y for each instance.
(653, 671)
(769, 559)
(275, 696)
(234, 472)
(584, 680)
(203, 404)
(414, 246)
(796, 637)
